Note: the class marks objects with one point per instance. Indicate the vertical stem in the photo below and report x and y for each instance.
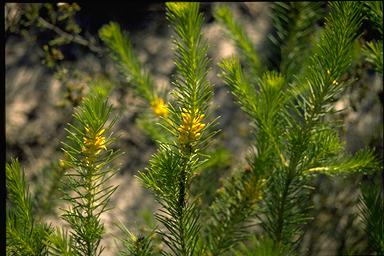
(382, 182)
(291, 172)
(288, 180)
(91, 246)
(280, 218)
(181, 205)
(186, 151)
(89, 210)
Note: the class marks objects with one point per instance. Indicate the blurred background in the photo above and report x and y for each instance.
(52, 51)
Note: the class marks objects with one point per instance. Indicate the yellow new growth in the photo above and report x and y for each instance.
(93, 142)
(334, 82)
(62, 164)
(253, 189)
(275, 81)
(178, 6)
(159, 107)
(191, 126)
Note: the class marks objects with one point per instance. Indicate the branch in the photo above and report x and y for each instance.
(70, 37)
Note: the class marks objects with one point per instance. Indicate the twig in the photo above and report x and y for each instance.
(72, 38)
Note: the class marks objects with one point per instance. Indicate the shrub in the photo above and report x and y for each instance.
(288, 103)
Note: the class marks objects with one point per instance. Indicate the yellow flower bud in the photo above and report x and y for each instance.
(61, 163)
(159, 107)
(94, 143)
(191, 126)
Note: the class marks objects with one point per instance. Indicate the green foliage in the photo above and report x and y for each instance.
(60, 243)
(240, 87)
(88, 156)
(224, 15)
(171, 168)
(50, 187)
(238, 202)
(204, 181)
(373, 52)
(286, 209)
(363, 161)
(230, 213)
(168, 175)
(100, 87)
(371, 211)
(122, 52)
(295, 25)
(49, 190)
(262, 247)
(328, 63)
(138, 246)
(192, 89)
(25, 234)
(262, 106)
(293, 142)
(374, 11)
(82, 180)
(288, 111)
(316, 101)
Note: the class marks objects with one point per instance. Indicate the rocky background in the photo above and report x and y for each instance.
(37, 113)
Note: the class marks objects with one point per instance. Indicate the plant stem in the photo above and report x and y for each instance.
(181, 210)
(72, 38)
(181, 203)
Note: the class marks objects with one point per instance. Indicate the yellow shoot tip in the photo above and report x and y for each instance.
(61, 163)
(101, 132)
(93, 142)
(191, 126)
(178, 6)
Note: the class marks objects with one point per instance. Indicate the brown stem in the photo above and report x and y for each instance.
(72, 38)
